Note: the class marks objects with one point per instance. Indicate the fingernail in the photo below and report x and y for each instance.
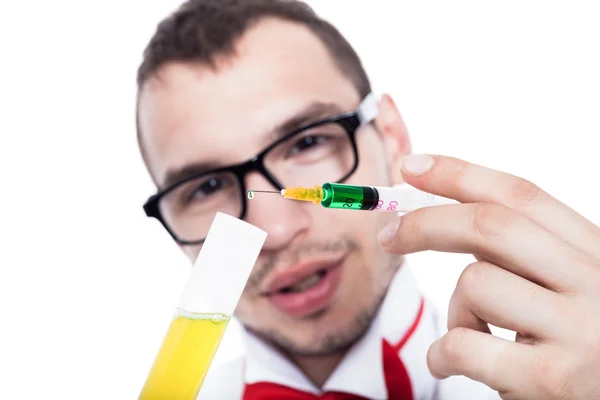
(387, 235)
(417, 164)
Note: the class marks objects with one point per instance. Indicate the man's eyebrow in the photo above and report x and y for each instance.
(311, 113)
(175, 175)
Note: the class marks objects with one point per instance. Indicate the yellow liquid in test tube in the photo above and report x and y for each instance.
(183, 360)
(209, 299)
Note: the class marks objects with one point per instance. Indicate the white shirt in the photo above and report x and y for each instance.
(406, 321)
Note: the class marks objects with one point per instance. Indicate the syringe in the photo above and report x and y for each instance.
(402, 198)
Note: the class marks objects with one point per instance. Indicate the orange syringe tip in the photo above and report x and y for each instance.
(304, 194)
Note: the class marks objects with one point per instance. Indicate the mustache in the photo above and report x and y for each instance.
(291, 257)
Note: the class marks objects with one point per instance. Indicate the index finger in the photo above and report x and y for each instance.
(469, 183)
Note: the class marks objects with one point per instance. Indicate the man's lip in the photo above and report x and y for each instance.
(298, 273)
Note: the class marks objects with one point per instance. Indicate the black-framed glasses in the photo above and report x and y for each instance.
(324, 151)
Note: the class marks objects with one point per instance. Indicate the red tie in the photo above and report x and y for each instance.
(275, 391)
(397, 380)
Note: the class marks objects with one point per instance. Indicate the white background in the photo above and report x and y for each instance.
(88, 285)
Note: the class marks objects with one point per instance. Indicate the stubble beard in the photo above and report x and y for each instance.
(338, 340)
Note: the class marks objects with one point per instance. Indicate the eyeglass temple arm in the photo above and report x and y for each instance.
(368, 109)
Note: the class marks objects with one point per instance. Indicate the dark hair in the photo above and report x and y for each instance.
(202, 30)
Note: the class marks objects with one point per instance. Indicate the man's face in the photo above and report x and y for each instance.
(321, 274)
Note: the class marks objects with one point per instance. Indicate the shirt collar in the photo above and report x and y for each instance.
(364, 361)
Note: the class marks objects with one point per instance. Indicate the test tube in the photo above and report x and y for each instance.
(208, 301)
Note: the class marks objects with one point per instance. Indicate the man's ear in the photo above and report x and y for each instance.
(390, 125)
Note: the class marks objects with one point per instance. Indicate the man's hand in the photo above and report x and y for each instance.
(537, 273)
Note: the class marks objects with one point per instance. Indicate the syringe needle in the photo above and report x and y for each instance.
(251, 192)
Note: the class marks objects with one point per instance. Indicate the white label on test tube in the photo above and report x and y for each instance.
(406, 198)
(223, 266)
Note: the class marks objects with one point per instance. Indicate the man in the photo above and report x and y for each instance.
(262, 94)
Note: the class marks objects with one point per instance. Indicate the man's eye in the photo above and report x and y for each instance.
(308, 142)
(208, 187)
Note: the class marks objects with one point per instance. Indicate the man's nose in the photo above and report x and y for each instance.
(285, 221)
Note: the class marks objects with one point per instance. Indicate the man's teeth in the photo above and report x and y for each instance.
(306, 283)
